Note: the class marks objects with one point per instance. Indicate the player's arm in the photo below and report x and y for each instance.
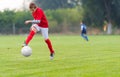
(32, 21)
(81, 27)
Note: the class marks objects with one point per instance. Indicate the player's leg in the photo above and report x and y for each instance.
(32, 32)
(84, 36)
(44, 32)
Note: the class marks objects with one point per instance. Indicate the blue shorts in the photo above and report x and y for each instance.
(84, 31)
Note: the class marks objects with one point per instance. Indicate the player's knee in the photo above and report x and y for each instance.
(45, 38)
(33, 29)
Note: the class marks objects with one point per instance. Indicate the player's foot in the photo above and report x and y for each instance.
(52, 56)
(24, 44)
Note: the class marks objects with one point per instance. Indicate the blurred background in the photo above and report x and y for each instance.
(64, 16)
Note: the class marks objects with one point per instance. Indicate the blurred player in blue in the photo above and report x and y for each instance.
(83, 30)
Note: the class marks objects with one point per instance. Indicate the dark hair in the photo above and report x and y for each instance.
(82, 21)
(32, 5)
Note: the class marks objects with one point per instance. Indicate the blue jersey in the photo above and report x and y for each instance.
(83, 28)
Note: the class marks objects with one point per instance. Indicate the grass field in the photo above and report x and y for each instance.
(100, 57)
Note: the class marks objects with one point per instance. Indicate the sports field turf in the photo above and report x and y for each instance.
(100, 57)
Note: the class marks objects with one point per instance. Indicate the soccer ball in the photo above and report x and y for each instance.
(26, 51)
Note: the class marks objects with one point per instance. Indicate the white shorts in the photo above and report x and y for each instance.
(44, 31)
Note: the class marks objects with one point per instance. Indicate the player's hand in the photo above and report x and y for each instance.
(27, 22)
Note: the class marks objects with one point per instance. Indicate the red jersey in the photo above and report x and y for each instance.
(39, 15)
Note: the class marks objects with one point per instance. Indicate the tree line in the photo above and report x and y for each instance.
(60, 20)
(65, 15)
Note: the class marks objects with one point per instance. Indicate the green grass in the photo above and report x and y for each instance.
(100, 57)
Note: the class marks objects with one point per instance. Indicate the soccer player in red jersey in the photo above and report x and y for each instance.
(39, 23)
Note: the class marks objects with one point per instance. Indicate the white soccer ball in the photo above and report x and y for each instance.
(26, 51)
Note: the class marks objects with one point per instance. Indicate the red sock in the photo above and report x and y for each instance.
(30, 36)
(48, 42)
